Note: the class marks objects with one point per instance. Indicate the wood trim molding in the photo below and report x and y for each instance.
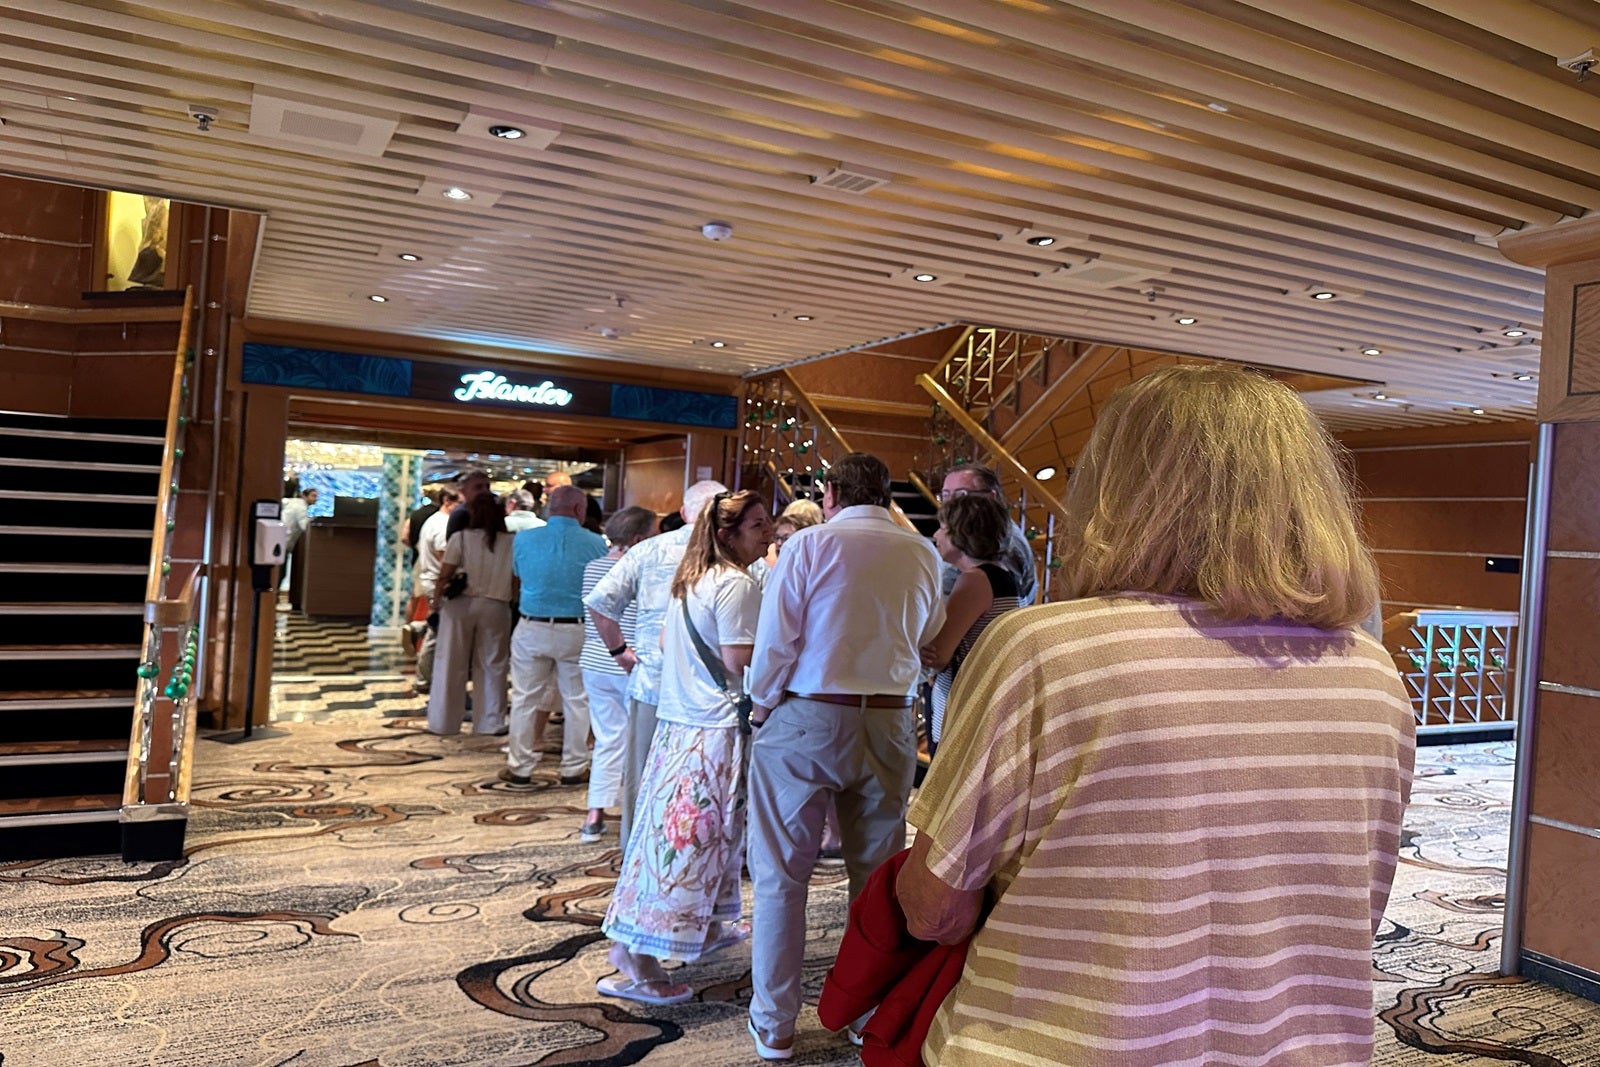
(89, 316)
(1061, 392)
(1570, 241)
(868, 406)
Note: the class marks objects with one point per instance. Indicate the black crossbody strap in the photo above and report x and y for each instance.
(713, 664)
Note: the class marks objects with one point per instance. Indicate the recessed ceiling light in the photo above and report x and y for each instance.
(1372, 351)
(1185, 320)
(1477, 411)
(1041, 241)
(1380, 396)
(1044, 474)
(802, 318)
(924, 277)
(378, 299)
(1516, 333)
(409, 257)
(1215, 106)
(507, 133)
(1523, 377)
(719, 344)
(455, 192)
(1323, 294)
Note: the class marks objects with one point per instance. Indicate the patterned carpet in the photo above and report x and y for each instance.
(358, 893)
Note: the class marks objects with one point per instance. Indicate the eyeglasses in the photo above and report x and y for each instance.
(947, 495)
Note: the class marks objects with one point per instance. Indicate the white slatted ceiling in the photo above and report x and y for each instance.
(1375, 147)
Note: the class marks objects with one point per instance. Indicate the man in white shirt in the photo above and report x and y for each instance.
(521, 512)
(835, 668)
(643, 578)
(430, 555)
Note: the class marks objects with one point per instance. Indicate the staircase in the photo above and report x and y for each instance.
(77, 509)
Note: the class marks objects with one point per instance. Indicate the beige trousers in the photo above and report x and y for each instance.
(806, 756)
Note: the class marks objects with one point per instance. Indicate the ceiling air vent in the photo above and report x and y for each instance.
(846, 178)
(286, 119)
(1100, 272)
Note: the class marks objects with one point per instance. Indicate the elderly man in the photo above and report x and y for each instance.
(643, 578)
(1016, 555)
(835, 668)
(521, 511)
(549, 561)
(473, 485)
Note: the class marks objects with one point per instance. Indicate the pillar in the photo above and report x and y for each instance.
(400, 495)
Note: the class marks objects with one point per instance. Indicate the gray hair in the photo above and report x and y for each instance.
(520, 500)
(697, 496)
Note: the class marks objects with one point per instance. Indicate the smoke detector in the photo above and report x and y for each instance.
(716, 231)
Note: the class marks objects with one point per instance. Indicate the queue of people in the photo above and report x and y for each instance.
(1164, 815)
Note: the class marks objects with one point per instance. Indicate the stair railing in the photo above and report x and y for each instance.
(787, 442)
(1038, 510)
(155, 798)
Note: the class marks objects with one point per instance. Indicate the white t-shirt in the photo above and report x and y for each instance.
(488, 572)
(724, 606)
(430, 550)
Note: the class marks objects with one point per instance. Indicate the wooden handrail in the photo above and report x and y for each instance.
(177, 610)
(1036, 492)
(158, 538)
(924, 488)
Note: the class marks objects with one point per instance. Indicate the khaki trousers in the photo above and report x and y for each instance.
(807, 756)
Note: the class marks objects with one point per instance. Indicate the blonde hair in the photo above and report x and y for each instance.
(705, 550)
(802, 513)
(1217, 483)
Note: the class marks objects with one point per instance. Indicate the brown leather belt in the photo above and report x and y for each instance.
(856, 700)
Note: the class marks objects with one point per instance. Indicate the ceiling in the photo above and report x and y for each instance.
(1220, 159)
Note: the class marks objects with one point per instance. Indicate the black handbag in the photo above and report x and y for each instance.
(718, 671)
(455, 586)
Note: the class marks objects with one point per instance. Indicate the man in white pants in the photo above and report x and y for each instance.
(549, 562)
(833, 680)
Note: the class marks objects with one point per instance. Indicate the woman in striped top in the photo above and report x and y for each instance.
(604, 681)
(972, 532)
(1178, 797)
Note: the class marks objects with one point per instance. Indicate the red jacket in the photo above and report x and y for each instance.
(880, 965)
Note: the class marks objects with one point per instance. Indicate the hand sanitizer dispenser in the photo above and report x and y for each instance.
(272, 540)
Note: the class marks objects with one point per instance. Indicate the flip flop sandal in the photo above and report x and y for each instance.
(625, 988)
(735, 933)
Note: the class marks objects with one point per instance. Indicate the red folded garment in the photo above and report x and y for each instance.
(880, 965)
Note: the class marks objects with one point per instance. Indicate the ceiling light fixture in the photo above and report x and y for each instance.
(1042, 241)
(1044, 474)
(1477, 411)
(1185, 320)
(1523, 377)
(719, 344)
(378, 299)
(1372, 350)
(1380, 396)
(455, 192)
(1218, 107)
(1514, 332)
(802, 318)
(1324, 294)
(507, 133)
(409, 257)
(924, 277)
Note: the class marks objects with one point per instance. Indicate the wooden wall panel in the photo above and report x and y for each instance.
(122, 387)
(1575, 489)
(1566, 760)
(1435, 503)
(1560, 917)
(653, 475)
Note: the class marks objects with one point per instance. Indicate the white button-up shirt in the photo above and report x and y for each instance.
(643, 577)
(846, 608)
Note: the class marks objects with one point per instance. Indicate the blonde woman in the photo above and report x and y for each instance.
(1179, 796)
(677, 897)
(796, 517)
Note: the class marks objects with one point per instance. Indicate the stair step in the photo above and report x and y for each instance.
(34, 753)
(71, 531)
(73, 429)
(90, 807)
(74, 568)
(80, 466)
(70, 608)
(45, 497)
(65, 699)
(38, 652)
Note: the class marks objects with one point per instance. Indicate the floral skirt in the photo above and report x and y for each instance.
(681, 870)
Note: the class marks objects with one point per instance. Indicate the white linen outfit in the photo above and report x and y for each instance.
(680, 872)
(642, 579)
(846, 609)
(473, 633)
(607, 686)
(430, 544)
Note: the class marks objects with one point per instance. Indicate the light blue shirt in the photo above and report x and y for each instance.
(643, 578)
(549, 561)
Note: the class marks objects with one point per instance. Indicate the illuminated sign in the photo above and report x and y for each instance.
(487, 385)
